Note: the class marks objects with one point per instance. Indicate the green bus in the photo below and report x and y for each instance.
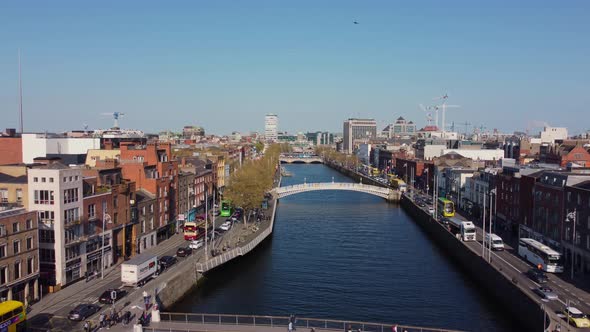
(226, 209)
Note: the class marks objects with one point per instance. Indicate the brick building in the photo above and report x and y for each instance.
(19, 255)
(11, 148)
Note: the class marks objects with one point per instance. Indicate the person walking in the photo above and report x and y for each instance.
(290, 326)
(86, 327)
(101, 319)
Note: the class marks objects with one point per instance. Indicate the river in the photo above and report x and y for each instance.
(351, 256)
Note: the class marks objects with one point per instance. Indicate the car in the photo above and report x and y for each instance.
(546, 293)
(444, 221)
(430, 210)
(196, 244)
(183, 251)
(106, 297)
(420, 204)
(537, 276)
(576, 317)
(83, 311)
(225, 226)
(167, 261)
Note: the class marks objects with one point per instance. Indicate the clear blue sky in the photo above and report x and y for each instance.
(224, 64)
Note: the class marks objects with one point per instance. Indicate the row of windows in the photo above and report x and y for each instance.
(16, 227)
(70, 178)
(16, 271)
(70, 195)
(16, 247)
(4, 195)
(43, 179)
(44, 197)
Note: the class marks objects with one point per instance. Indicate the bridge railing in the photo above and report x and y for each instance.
(282, 321)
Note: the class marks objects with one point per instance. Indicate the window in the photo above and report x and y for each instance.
(29, 243)
(29, 224)
(43, 179)
(2, 251)
(2, 230)
(3, 275)
(19, 195)
(3, 195)
(70, 179)
(30, 265)
(65, 179)
(47, 255)
(71, 215)
(91, 211)
(151, 208)
(16, 246)
(44, 197)
(16, 270)
(47, 216)
(70, 195)
(46, 236)
(76, 178)
(15, 227)
(50, 179)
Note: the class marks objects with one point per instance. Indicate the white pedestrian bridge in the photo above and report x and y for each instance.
(386, 193)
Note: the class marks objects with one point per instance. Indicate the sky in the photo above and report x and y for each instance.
(510, 65)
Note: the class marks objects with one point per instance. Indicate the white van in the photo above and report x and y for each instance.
(497, 243)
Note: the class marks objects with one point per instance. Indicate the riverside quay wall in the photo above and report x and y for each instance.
(498, 284)
(188, 274)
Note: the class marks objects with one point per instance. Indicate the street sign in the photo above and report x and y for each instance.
(114, 295)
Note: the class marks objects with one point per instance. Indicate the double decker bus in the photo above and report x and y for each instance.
(225, 208)
(13, 316)
(445, 207)
(540, 255)
(192, 229)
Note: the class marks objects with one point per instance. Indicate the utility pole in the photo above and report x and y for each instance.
(490, 232)
(483, 229)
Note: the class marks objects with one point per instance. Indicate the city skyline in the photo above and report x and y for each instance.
(205, 63)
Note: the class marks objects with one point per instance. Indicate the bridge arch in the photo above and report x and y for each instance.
(282, 192)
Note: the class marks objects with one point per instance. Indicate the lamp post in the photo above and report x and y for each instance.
(206, 222)
(571, 217)
(104, 221)
(493, 191)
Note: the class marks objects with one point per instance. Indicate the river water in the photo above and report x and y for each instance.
(351, 256)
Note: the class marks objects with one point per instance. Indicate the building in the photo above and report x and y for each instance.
(320, 138)
(357, 130)
(186, 194)
(577, 208)
(19, 255)
(55, 192)
(192, 132)
(271, 125)
(48, 145)
(94, 155)
(401, 127)
(11, 147)
(552, 134)
(494, 155)
(146, 204)
(14, 189)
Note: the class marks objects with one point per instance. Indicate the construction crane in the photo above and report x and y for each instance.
(116, 116)
(444, 107)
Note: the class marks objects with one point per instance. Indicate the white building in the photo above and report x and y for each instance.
(271, 124)
(55, 191)
(41, 145)
(478, 154)
(356, 131)
(550, 134)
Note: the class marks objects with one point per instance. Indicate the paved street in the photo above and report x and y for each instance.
(511, 263)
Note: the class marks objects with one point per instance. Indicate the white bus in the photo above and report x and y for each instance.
(540, 255)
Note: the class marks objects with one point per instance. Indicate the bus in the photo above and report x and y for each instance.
(226, 209)
(13, 316)
(192, 229)
(540, 255)
(398, 184)
(445, 207)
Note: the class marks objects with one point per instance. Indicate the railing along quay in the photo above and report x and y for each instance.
(193, 320)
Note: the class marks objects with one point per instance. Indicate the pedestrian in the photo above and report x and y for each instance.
(290, 326)
(145, 296)
(312, 330)
(107, 322)
(86, 327)
(294, 322)
(394, 328)
(101, 319)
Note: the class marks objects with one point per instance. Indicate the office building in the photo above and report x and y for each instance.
(358, 131)
(271, 123)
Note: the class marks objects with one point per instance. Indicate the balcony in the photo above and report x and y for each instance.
(76, 240)
(72, 223)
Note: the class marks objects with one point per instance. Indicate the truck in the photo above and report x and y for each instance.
(463, 228)
(139, 270)
(495, 240)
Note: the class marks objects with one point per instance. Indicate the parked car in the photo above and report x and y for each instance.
(83, 311)
(537, 276)
(183, 251)
(225, 226)
(167, 261)
(196, 244)
(430, 210)
(576, 317)
(546, 293)
(105, 297)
